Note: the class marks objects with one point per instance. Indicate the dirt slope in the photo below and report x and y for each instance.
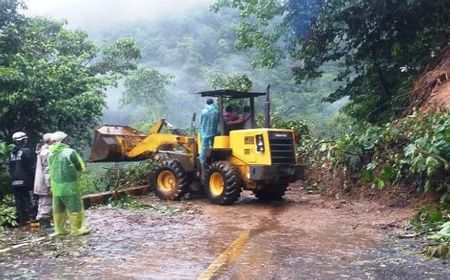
(431, 92)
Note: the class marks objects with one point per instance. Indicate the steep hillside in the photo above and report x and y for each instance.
(431, 91)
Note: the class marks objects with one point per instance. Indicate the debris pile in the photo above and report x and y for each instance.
(431, 91)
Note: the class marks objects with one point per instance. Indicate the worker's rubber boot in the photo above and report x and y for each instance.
(78, 223)
(45, 223)
(34, 223)
(60, 220)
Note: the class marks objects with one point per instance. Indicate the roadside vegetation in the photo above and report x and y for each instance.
(103, 177)
(413, 151)
(433, 221)
(4, 174)
(7, 212)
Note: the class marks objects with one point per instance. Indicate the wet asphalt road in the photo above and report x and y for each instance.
(303, 237)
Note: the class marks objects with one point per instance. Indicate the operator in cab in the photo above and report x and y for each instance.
(234, 121)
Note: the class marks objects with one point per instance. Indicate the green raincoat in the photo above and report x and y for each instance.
(65, 167)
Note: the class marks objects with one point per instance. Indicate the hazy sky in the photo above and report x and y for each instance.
(91, 13)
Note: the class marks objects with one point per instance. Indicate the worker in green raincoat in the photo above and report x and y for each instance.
(65, 167)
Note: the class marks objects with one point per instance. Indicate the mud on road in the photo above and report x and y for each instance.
(303, 237)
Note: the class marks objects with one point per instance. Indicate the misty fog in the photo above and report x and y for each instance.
(100, 14)
(185, 39)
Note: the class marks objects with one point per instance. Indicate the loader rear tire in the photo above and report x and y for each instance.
(224, 183)
(271, 192)
(170, 181)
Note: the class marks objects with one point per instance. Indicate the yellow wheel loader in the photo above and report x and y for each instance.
(262, 160)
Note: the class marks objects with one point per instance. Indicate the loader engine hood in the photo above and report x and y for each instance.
(264, 146)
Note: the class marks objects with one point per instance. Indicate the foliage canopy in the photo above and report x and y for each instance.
(148, 88)
(381, 45)
(53, 78)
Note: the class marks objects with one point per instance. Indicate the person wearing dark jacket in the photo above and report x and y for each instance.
(22, 168)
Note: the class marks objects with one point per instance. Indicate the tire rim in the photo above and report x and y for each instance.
(216, 184)
(166, 180)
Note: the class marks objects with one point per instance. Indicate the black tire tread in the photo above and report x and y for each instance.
(233, 183)
(182, 185)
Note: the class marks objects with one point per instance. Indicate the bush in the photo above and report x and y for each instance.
(434, 222)
(414, 150)
(7, 212)
(5, 180)
(135, 174)
(102, 177)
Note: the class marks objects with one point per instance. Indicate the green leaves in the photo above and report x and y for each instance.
(118, 57)
(4, 173)
(146, 87)
(234, 81)
(7, 212)
(260, 28)
(413, 150)
(372, 40)
(434, 222)
(56, 78)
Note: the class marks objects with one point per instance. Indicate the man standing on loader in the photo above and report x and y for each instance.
(209, 119)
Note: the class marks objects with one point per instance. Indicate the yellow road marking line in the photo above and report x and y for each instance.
(26, 243)
(228, 256)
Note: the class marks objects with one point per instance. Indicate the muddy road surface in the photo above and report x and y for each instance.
(303, 237)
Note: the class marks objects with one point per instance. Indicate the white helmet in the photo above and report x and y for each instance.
(47, 137)
(19, 136)
(58, 136)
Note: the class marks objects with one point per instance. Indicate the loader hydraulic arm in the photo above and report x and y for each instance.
(156, 141)
(153, 142)
(123, 143)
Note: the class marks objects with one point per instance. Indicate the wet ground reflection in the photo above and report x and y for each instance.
(300, 238)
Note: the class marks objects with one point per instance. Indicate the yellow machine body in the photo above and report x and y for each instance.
(115, 143)
(122, 143)
(259, 159)
(278, 151)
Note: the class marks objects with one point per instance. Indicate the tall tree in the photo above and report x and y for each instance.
(382, 45)
(147, 88)
(56, 78)
(12, 26)
(234, 81)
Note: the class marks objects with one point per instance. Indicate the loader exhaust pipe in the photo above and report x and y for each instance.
(267, 108)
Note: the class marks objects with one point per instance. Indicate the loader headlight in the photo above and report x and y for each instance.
(259, 143)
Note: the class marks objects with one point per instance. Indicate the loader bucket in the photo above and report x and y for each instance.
(112, 143)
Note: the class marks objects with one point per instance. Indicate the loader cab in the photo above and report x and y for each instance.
(262, 160)
(225, 94)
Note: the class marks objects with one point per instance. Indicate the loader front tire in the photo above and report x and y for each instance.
(170, 181)
(270, 192)
(224, 183)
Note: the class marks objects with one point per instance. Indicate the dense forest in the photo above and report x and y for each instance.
(343, 74)
(196, 49)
